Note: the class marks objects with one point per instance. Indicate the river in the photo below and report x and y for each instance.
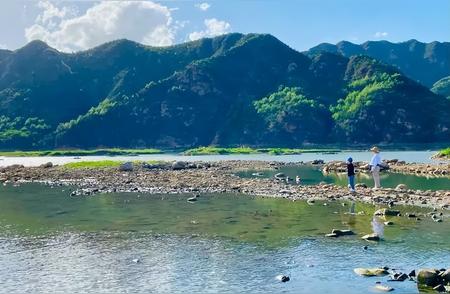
(138, 243)
(408, 156)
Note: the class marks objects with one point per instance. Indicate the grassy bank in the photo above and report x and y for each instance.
(92, 164)
(72, 152)
(444, 153)
(105, 163)
(249, 150)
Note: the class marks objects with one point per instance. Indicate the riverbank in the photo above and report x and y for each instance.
(81, 152)
(249, 150)
(443, 154)
(441, 169)
(205, 177)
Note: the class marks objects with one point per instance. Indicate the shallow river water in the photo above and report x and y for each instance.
(137, 243)
(311, 175)
(408, 156)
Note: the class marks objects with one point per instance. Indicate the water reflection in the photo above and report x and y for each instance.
(226, 243)
(312, 175)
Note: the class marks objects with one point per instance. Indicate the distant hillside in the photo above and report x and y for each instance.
(424, 62)
(230, 90)
(442, 87)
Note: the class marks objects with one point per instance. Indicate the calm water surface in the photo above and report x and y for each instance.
(50, 242)
(311, 175)
(408, 156)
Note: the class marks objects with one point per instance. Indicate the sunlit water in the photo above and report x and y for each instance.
(409, 156)
(50, 242)
(311, 175)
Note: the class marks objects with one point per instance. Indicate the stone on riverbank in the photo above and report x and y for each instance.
(401, 187)
(126, 166)
(178, 165)
(47, 165)
(371, 272)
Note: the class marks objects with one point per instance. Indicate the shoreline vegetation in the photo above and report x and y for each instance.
(198, 151)
(443, 154)
(249, 150)
(81, 152)
(193, 151)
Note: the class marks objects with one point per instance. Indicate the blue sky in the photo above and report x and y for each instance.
(78, 25)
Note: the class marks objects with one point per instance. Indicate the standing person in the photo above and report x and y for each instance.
(374, 165)
(351, 174)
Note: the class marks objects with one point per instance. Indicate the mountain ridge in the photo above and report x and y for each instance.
(122, 93)
(424, 62)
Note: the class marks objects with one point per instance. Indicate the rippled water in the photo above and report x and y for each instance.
(409, 156)
(50, 242)
(311, 175)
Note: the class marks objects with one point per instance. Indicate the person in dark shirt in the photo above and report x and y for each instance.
(351, 174)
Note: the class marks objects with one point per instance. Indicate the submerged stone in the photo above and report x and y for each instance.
(383, 288)
(371, 272)
(387, 212)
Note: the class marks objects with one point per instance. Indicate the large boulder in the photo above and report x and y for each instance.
(177, 165)
(47, 165)
(428, 277)
(126, 166)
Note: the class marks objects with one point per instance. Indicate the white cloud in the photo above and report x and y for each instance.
(51, 12)
(203, 6)
(380, 34)
(3, 46)
(142, 21)
(214, 27)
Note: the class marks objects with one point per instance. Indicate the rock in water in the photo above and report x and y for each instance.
(371, 272)
(440, 288)
(388, 212)
(126, 166)
(399, 277)
(371, 237)
(280, 176)
(445, 276)
(383, 288)
(342, 232)
(283, 278)
(177, 165)
(428, 277)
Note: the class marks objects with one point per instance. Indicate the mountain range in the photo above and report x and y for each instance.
(233, 89)
(425, 63)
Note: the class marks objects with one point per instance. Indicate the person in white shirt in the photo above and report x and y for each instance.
(374, 164)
